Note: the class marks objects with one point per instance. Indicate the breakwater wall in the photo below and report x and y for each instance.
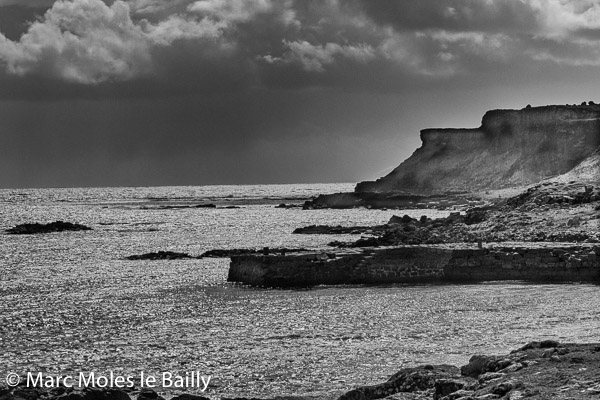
(537, 262)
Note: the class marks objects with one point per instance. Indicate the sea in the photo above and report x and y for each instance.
(71, 303)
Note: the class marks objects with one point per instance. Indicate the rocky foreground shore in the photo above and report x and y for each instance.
(539, 370)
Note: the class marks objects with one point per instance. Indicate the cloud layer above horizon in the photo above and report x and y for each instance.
(130, 92)
(91, 42)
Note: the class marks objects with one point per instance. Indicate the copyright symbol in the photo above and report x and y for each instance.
(13, 379)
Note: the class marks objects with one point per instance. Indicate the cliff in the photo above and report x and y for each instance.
(510, 148)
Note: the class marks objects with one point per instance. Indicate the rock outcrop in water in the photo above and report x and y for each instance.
(510, 148)
(57, 226)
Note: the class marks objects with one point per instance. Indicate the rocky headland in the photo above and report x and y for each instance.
(524, 189)
(511, 148)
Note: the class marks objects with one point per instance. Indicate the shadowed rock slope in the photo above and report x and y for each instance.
(510, 148)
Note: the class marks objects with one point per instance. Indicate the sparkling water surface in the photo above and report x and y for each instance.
(69, 302)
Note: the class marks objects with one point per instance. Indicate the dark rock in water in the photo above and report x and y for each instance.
(149, 394)
(161, 255)
(333, 230)
(57, 226)
(176, 207)
(187, 396)
(224, 253)
(283, 205)
(180, 207)
(206, 206)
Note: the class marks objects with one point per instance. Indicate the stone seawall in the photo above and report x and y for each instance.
(539, 262)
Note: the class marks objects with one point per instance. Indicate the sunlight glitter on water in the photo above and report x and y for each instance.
(70, 302)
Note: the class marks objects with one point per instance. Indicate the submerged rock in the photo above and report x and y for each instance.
(57, 226)
(160, 255)
(335, 230)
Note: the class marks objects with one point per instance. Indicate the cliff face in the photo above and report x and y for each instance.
(588, 171)
(510, 148)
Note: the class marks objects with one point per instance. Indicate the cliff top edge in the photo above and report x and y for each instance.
(588, 107)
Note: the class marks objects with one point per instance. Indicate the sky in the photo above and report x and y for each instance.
(198, 92)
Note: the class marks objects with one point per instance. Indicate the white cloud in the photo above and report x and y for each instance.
(237, 11)
(559, 18)
(592, 61)
(81, 41)
(231, 10)
(315, 57)
(147, 7)
(491, 46)
(177, 27)
(86, 41)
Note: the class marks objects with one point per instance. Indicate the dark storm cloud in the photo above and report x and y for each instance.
(15, 19)
(91, 42)
(454, 15)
